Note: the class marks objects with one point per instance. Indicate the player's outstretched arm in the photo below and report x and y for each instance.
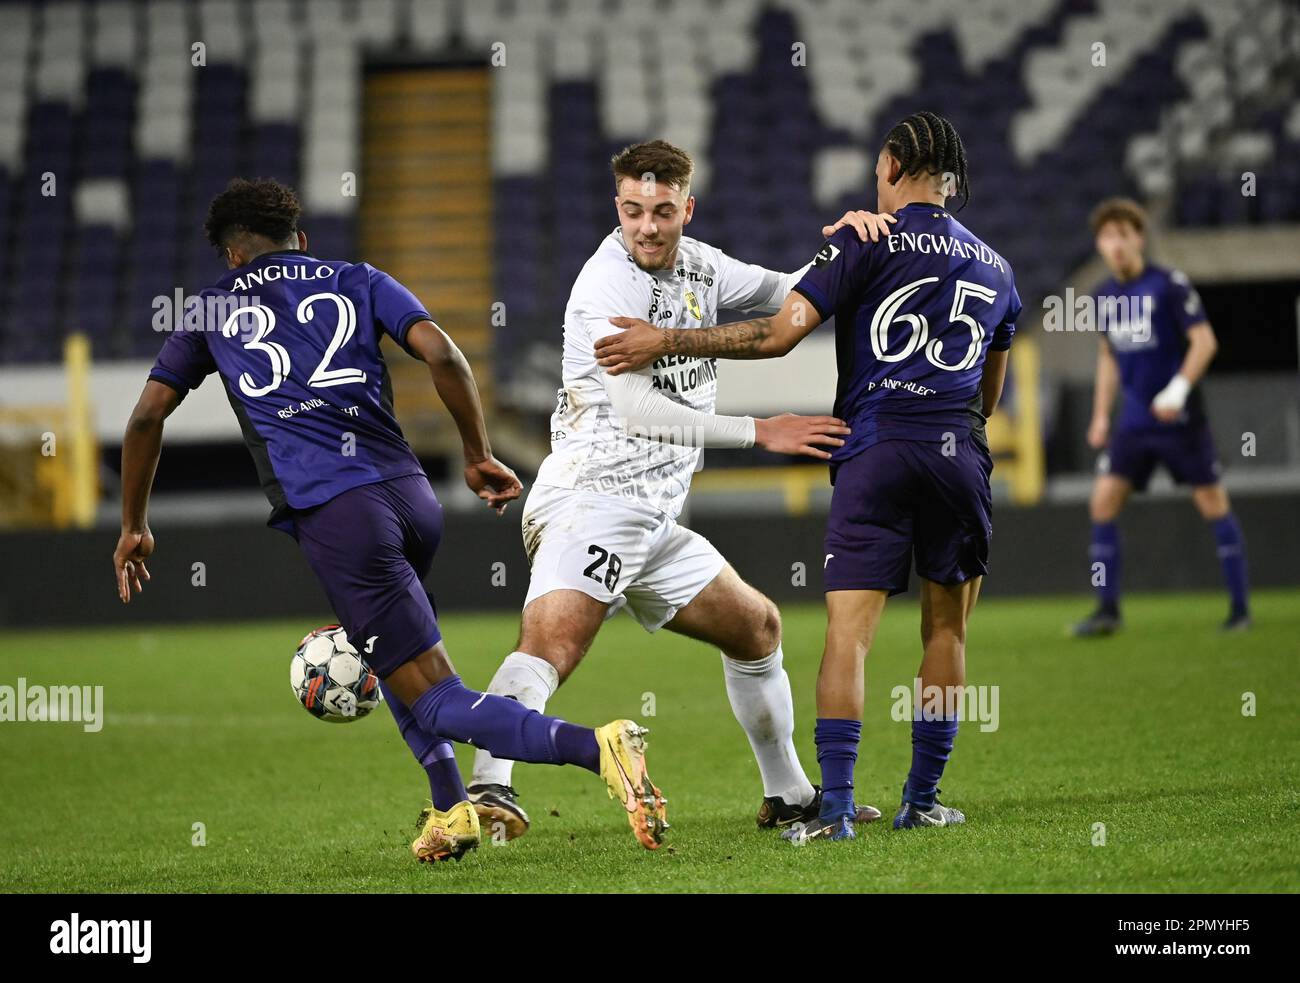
(765, 337)
(487, 477)
(649, 414)
(141, 446)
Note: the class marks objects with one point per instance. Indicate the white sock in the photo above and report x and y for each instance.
(531, 681)
(760, 699)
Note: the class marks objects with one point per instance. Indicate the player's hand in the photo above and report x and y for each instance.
(1098, 433)
(807, 435)
(493, 482)
(631, 349)
(133, 548)
(868, 225)
(1168, 404)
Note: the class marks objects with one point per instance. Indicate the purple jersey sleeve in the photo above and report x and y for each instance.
(1004, 332)
(395, 307)
(1184, 302)
(839, 271)
(184, 361)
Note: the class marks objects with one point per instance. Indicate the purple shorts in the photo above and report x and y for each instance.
(1187, 452)
(901, 498)
(370, 547)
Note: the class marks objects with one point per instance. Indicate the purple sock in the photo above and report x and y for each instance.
(445, 785)
(1232, 557)
(435, 755)
(1105, 551)
(577, 745)
(837, 753)
(503, 727)
(931, 746)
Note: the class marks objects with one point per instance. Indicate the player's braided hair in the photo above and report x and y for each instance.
(927, 143)
(262, 206)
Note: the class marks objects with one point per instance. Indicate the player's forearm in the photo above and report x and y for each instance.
(1103, 399)
(1201, 349)
(649, 414)
(1105, 388)
(990, 396)
(743, 340)
(455, 384)
(141, 447)
(454, 381)
(991, 382)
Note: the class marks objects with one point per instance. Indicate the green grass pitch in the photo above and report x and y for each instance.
(1143, 732)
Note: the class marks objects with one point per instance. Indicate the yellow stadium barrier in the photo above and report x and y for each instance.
(49, 454)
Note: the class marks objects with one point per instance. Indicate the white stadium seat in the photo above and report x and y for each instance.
(102, 201)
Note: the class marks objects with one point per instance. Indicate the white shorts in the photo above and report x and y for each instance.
(616, 551)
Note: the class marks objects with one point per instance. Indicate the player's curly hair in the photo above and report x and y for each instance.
(927, 143)
(262, 206)
(1118, 210)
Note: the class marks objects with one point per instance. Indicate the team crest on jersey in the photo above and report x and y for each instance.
(693, 305)
(826, 254)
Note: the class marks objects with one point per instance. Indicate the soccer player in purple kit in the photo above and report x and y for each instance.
(299, 356)
(1156, 344)
(923, 324)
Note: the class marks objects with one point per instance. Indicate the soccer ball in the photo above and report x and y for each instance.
(331, 679)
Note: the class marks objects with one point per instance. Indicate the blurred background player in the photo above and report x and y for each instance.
(298, 354)
(923, 325)
(600, 526)
(1156, 345)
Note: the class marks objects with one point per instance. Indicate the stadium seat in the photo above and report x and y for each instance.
(113, 90)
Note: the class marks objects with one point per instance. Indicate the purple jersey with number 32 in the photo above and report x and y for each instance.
(296, 340)
(915, 315)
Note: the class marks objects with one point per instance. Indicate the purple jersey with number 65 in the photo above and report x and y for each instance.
(915, 315)
(296, 342)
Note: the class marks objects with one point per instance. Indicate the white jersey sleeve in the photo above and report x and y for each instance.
(752, 288)
(647, 413)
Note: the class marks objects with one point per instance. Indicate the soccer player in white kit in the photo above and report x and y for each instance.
(600, 525)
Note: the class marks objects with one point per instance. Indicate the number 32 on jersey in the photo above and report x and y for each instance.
(263, 323)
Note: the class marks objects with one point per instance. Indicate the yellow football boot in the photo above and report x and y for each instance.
(447, 835)
(622, 765)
